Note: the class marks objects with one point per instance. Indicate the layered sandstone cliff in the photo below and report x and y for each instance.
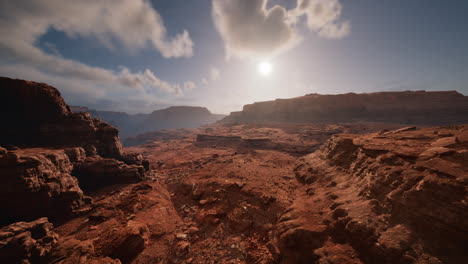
(394, 197)
(35, 115)
(409, 107)
(49, 155)
(38, 182)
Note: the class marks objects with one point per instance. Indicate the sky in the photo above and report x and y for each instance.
(138, 56)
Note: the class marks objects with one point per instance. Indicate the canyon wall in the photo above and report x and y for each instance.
(408, 107)
(49, 155)
(35, 115)
(394, 197)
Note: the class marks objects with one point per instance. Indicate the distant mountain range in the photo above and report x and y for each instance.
(169, 118)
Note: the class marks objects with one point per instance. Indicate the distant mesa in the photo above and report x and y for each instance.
(408, 107)
(168, 118)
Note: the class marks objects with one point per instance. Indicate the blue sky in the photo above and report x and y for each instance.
(123, 62)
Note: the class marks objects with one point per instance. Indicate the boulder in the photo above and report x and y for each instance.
(128, 242)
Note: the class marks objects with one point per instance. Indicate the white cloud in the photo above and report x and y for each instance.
(323, 17)
(215, 74)
(251, 30)
(134, 24)
(154, 81)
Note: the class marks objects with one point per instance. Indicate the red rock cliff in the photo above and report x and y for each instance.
(34, 114)
(409, 107)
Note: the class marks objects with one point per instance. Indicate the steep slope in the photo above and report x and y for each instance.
(35, 115)
(51, 155)
(409, 107)
(394, 197)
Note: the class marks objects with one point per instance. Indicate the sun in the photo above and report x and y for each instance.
(265, 68)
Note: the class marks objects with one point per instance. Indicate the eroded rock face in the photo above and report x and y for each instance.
(37, 182)
(409, 107)
(36, 115)
(135, 159)
(37, 242)
(395, 197)
(24, 242)
(128, 242)
(96, 172)
(69, 250)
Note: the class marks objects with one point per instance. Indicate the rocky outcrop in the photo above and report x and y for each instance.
(393, 196)
(96, 172)
(128, 242)
(51, 149)
(173, 117)
(24, 242)
(35, 115)
(37, 242)
(38, 182)
(409, 107)
(41, 182)
(69, 250)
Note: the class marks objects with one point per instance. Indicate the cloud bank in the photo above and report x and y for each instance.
(129, 24)
(323, 17)
(251, 30)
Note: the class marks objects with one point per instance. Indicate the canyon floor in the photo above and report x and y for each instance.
(390, 196)
(238, 191)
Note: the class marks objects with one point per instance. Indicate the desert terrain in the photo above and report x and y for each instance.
(237, 191)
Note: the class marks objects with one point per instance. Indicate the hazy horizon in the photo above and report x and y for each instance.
(137, 56)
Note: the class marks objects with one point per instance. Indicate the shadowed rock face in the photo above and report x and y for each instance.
(58, 150)
(37, 182)
(96, 172)
(418, 107)
(24, 242)
(36, 115)
(37, 242)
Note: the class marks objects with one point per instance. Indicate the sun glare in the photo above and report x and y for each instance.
(265, 68)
